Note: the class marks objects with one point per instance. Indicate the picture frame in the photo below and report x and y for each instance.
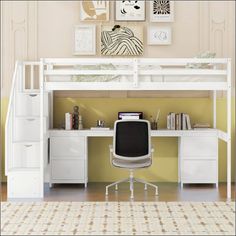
(122, 40)
(85, 40)
(94, 10)
(159, 35)
(161, 11)
(130, 10)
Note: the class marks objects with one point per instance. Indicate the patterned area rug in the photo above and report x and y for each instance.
(114, 218)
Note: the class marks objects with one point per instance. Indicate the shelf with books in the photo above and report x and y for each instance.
(178, 121)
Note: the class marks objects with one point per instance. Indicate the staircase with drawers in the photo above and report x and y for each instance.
(22, 150)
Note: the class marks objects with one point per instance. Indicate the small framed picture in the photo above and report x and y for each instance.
(85, 40)
(159, 35)
(130, 10)
(94, 10)
(161, 11)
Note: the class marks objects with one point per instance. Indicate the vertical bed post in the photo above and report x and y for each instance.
(41, 86)
(214, 109)
(229, 129)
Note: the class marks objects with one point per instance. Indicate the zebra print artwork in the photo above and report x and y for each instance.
(121, 40)
(161, 7)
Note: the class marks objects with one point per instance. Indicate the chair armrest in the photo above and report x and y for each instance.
(111, 153)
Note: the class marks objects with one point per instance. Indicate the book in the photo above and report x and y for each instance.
(172, 118)
(68, 121)
(188, 122)
(168, 122)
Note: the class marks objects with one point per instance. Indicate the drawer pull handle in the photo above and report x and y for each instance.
(33, 95)
(31, 119)
(29, 145)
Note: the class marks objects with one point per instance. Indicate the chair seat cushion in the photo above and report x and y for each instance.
(131, 164)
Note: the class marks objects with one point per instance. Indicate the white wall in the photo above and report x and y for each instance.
(34, 29)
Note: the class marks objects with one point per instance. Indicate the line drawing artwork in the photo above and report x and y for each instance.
(121, 40)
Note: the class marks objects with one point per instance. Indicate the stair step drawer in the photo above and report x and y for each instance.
(29, 104)
(26, 129)
(26, 155)
(24, 185)
(68, 169)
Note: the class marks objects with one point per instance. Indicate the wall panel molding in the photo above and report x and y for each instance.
(20, 39)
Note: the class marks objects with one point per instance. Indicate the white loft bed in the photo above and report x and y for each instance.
(150, 74)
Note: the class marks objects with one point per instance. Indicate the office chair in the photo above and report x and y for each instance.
(131, 150)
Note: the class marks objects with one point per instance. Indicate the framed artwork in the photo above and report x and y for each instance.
(161, 11)
(159, 35)
(130, 10)
(85, 40)
(94, 10)
(120, 40)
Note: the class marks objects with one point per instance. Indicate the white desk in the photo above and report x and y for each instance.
(198, 154)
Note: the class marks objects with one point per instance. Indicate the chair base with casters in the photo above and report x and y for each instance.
(138, 164)
(132, 180)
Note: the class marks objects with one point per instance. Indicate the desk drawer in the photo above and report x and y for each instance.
(199, 171)
(199, 147)
(68, 146)
(68, 169)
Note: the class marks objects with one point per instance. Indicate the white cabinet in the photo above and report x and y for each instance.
(198, 158)
(68, 157)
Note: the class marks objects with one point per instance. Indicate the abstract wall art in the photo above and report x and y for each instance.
(161, 11)
(94, 10)
(129, 10)
(117, 40)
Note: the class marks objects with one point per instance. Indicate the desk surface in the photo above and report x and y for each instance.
(154, 133)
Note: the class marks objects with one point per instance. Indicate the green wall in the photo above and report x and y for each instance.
(165, 161)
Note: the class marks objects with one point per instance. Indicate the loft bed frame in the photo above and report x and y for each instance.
(144, 74)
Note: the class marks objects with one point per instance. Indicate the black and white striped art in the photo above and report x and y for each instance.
(121, 40)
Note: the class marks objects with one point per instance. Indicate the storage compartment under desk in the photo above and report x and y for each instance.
(67, 170)
(67, 146)
(198, 171)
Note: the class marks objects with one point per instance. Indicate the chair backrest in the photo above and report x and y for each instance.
(132, 139)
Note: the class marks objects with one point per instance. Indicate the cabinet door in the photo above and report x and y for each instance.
(67, 147)
(199, 171)
(192, 147)
(68, 169)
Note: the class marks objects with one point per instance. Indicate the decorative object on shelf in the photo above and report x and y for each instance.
(206, 54)
(154, 122)
(130, 10)
(80, 123)
(159, 35)
(100, 123)
(94, 10)
(161, 11)
(75, 117)
(120, 40)
(201, 126)
(68, 121)
(85, 40)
